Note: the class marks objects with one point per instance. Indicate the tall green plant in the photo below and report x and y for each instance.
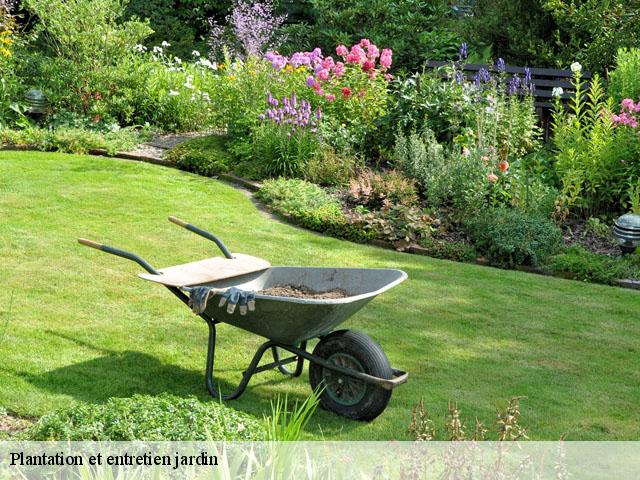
(589, 158)
(288, 425)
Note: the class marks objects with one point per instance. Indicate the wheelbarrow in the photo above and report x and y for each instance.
(349, 368)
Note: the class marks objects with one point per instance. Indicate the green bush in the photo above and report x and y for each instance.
(554, 33)
(311, 207)
(578, 263)
(74, 140)
(415, 30)
(447, 178)
(203, 155)
(331, 169)
(624, 81)
(151, 418)
(508, 237)
(448, 250)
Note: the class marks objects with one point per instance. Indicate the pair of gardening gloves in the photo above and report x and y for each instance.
(233, 297)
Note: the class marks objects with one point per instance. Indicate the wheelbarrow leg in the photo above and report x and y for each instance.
(299, 362)
(246, 375)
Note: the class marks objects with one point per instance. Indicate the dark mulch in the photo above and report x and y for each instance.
(575, 231)
(300, 291)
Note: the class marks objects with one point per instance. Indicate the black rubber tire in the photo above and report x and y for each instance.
(374, 362)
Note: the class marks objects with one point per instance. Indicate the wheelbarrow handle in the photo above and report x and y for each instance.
(120, 253)
(202, 233)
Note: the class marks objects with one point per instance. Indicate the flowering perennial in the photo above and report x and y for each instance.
(293, 113)
(628, 115)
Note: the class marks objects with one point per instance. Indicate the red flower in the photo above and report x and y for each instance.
(368, 66)
(504, 165)
(346, 92)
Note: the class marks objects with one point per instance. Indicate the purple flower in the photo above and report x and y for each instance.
(484, 75)
(463, 51)
(254, 26)
(311, 81)
(527, 76)
(261, 117)
(514, 85)
(318, 113)
(500, 65)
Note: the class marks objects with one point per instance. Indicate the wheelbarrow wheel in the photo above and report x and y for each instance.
(343, 394)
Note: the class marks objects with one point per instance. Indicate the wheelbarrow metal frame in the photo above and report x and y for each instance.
(300, 354)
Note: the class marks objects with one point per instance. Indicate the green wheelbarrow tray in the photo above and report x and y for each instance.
(351, 368)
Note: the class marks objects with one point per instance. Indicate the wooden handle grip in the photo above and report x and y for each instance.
(177, 221)
(90, 243)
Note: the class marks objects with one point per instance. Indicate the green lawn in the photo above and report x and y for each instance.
(76, 324)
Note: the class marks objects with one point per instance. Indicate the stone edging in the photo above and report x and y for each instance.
(255, 186)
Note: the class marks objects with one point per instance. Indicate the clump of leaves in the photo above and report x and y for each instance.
(375, 190)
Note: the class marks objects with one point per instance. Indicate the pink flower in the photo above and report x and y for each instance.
(628, 104)
(385, 58)
(362, 93)
(492, 177)
(342, 50)
(356, 55)
(388, 77)
(323, 74)
(364, 43)
(328, 63)
(373, 52)
(338, 70)
(330, 97)
(485, 159)
(346, 92)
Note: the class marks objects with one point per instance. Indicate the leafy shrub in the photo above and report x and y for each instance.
(416, 30)
(554, 33)
(624, 81)
(578, 263)
(445, 177)
(508, 237)
(203, 155)
(330, 168)
(399, 224)
(311, 207)
(449, 250)
(73, 140)
(152, 418)
(377, 190)
(183, 24)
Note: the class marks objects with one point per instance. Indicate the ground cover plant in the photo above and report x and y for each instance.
(466, 333)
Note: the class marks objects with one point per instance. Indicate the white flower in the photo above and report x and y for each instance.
(207, 63)
(140, 48)
(157, 50)
(189, 82)
(178, 60)
(576, 67)
(557, 92)
(173, 93)
(195, 53)
(165, 44)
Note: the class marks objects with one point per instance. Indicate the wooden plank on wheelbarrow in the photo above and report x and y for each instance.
(209, 270)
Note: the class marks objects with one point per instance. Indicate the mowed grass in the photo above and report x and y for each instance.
(78, 325)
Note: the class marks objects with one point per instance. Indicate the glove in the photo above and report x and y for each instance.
(234, 296)
(199, 298)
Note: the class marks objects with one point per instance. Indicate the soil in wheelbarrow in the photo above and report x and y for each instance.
(300, 291)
